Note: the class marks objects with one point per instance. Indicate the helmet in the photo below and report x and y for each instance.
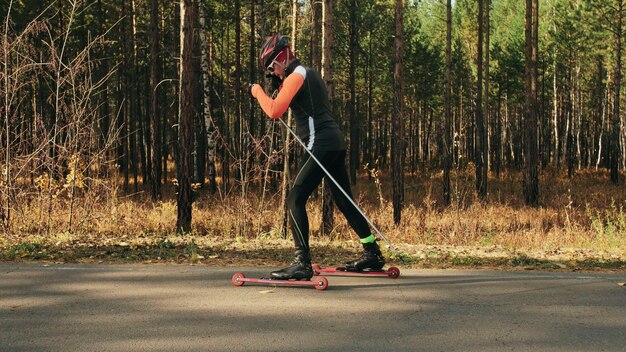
(271, 48)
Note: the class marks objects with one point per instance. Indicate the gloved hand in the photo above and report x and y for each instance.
(276, 81)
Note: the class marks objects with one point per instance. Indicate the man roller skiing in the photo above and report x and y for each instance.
(303, 90)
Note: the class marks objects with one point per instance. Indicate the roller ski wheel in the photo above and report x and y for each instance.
(320, 283)
(392, 272)
(237, 279)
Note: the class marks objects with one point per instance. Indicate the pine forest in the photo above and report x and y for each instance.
(127, 127)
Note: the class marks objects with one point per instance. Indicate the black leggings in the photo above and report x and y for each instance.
(307, 180)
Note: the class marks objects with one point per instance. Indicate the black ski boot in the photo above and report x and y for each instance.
(371, 259)
(300, 269)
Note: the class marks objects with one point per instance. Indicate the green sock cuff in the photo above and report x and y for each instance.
(370, 239)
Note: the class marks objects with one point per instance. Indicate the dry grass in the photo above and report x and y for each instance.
(581, 218)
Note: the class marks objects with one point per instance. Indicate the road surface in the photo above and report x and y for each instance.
(73, 307)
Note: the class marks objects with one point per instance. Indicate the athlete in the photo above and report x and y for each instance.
(303, 90)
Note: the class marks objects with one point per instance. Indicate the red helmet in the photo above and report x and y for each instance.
(271, 47)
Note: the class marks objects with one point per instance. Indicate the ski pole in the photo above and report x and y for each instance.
(393, 249)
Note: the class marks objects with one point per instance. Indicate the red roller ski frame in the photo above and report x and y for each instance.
(392, 272)
(320, 283)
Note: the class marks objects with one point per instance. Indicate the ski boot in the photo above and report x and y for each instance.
(300, 269)
(371, 259)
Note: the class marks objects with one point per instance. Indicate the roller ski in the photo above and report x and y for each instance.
(320, 283)
(298, 274)
(391, 272)
(370, 263)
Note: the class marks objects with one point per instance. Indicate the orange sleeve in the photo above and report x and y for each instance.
(275, 108)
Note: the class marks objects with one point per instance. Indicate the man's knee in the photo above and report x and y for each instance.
(294, 198)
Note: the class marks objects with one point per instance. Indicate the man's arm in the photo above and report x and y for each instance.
(275, 108)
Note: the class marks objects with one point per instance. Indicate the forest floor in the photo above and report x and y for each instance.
(579, 225)
(278, 252)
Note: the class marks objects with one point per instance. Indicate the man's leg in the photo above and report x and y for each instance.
(371, 258)
(307, 179)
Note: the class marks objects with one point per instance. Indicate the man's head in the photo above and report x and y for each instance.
(275, 54)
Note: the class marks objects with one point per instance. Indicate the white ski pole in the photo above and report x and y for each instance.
(393, 249)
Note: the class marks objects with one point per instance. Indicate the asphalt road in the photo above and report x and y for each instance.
(196, 308)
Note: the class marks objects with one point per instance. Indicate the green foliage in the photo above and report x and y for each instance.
(524, 260)
(424, 55)
(23, 250)
(609, 225)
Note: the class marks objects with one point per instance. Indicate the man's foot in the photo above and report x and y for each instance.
(371, 259)
(300, 269)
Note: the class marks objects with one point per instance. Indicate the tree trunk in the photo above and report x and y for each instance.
(370, 103)
(199, 129)
(604, 101)
(354, 123)
(316, 19)
(447, 142)
(615, 130)
(209, 123)
(481, 163)
(123, 119)
(497, 140)
(171, 119)
(239, 125)
(570, 120)
(287, 136)
(486, 107)
(327, 76)
(134, 120)
(185, 123)
(155, 121)
(143, 129)
(397, 142)
(162, 96)
(225, 124)
(251, 79)
(5, 214)
(456, 142)
(531, 179)
(555, 100)
(534, 146)
(103, 71)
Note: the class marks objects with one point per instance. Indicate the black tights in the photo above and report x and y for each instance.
(307, 180)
